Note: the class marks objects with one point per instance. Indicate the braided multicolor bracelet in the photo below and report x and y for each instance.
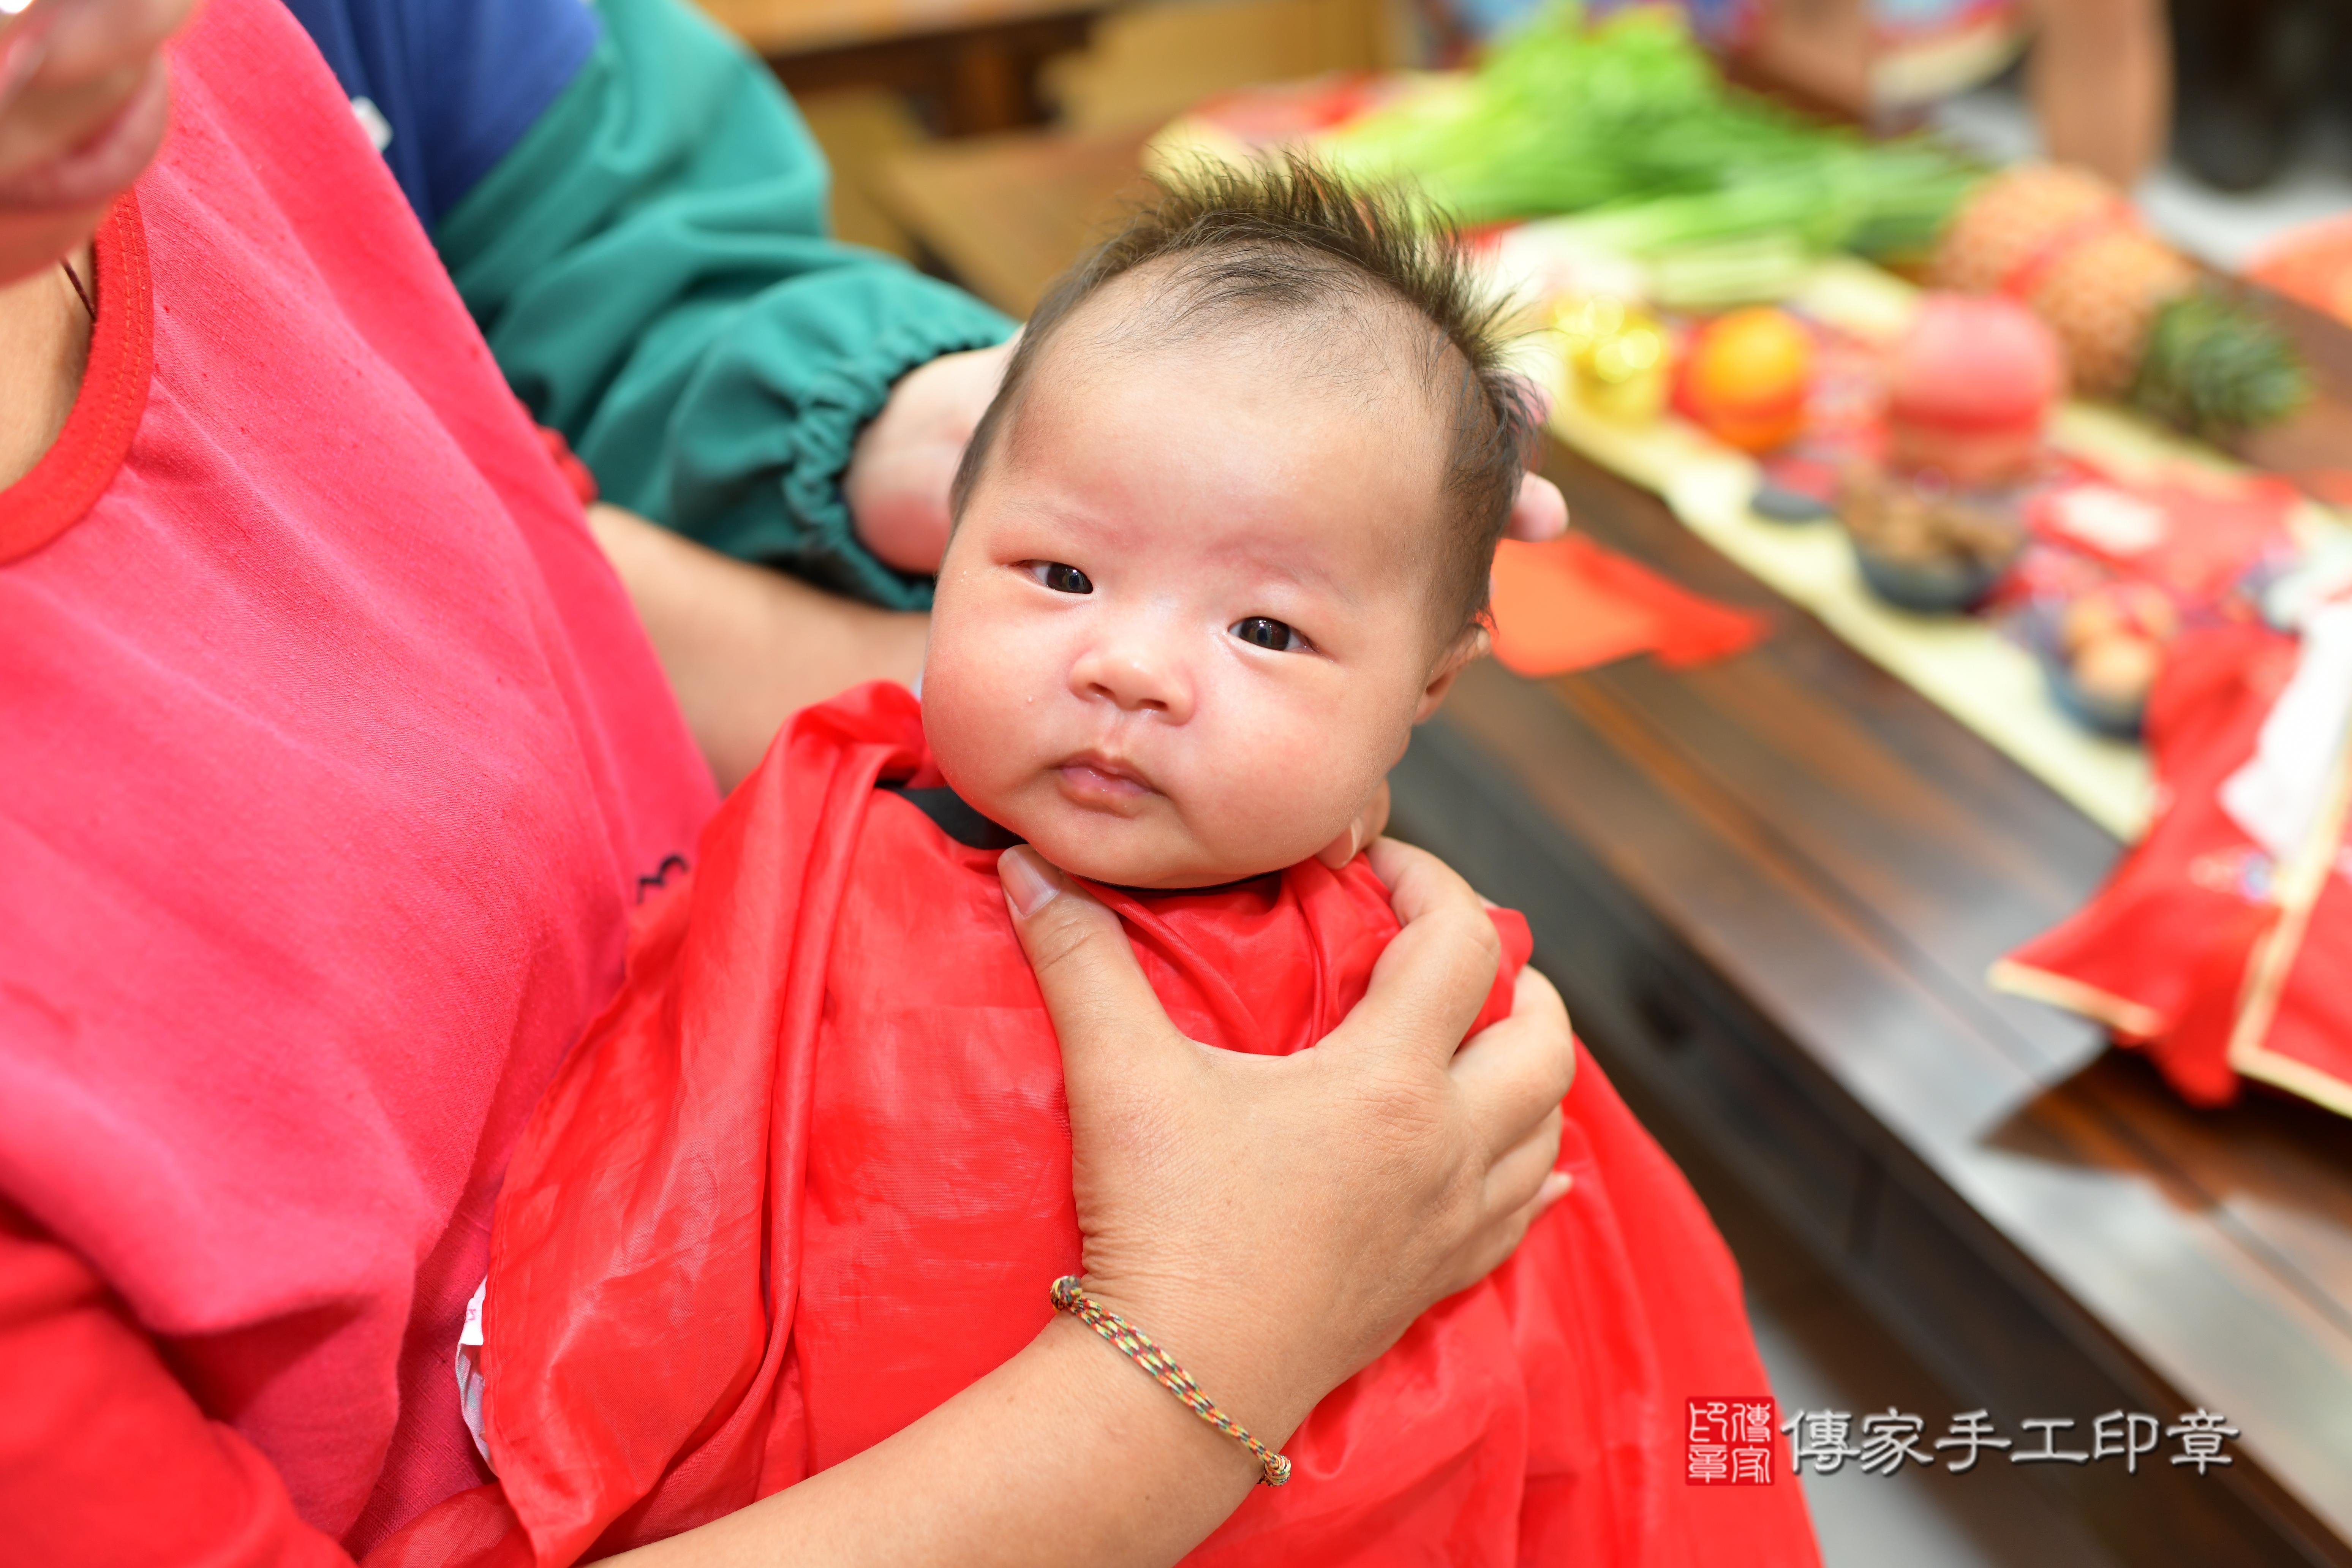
(1132, 1343)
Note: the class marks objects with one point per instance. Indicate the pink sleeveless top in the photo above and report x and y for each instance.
(335, 758)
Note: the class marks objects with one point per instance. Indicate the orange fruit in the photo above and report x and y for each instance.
(1746, 375)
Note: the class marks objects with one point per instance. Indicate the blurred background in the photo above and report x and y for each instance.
(2260, 138)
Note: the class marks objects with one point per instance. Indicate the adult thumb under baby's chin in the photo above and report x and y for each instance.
(1030, 884)
(1103, 1008)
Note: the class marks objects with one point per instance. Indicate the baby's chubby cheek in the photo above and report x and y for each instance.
(979, 713)
(1281, 787)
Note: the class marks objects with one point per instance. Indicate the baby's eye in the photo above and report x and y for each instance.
(1062, 579)
(1264, 631)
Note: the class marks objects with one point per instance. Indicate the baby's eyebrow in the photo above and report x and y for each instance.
(1308, 575)
(1045, 508)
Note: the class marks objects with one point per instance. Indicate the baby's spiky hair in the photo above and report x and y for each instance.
(1292, 243)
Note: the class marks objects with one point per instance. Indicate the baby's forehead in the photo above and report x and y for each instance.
(1340, 413)
(1355, 366)
(1332, 457)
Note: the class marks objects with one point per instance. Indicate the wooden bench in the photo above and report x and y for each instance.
(1769, 887)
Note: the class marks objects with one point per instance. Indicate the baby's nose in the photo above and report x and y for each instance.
(1138, 675)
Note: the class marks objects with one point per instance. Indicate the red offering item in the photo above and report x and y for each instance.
(810, 1176)
(1569, 604)
(2219, 959)
(2292, 1027)
(1279, 113)
(2192, 539)
(2312, 264)
(1969, 388)
(2177, 918)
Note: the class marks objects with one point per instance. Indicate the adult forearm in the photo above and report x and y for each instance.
(650, 264)
(2102, 83)
(746, 647)
(1064, 1454)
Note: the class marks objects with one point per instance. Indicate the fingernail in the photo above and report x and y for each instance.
(1026, 887)
(1555, 1187)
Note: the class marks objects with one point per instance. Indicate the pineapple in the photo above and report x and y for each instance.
(2204, 371)
(2012, 215)
(2102, 298)
(2134, 317)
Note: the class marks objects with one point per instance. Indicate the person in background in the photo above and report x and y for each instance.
(338, 764)
(2099, 72)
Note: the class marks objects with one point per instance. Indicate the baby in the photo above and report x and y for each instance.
(1221, 539)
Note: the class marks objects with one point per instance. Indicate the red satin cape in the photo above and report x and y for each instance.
(810, 1176)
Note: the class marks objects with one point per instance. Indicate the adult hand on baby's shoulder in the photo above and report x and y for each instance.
(1512, 1075)
(1277, 1222)
(905, 459)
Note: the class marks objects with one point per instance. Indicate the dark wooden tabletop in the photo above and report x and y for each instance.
(1770, 888)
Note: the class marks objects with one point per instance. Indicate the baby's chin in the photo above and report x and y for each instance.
(1128, 853)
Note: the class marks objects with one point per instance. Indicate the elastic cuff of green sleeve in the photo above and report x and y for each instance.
(837, 408)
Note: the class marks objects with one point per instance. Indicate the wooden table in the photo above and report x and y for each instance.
(1769, 887)
(973, 63)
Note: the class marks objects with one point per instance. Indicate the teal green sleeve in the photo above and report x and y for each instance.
(651, 265)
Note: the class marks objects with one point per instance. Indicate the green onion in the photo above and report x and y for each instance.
(1630, 121)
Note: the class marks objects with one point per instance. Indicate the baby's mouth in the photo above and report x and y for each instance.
(1092, 779)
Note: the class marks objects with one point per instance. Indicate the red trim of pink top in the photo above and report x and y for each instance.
(68, 479)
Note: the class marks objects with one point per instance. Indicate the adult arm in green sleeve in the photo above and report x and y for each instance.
(651, 267)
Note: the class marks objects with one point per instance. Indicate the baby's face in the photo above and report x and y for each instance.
(1183, 629)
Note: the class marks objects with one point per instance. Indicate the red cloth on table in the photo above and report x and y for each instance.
(2191, 951)
(2194, 537)
(2313, 263)
(825, 1123)
(335, 755)
(2300, 1037)
(2158, 952)
(1568, 604)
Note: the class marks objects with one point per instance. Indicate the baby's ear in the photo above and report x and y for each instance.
(1470, 645)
